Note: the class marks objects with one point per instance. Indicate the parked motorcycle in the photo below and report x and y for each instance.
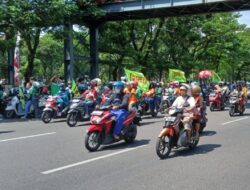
(14, 108)
(169, 137)
(77, 112)
(54, 108)
(236, 105)
(101, 128)
(215, 101)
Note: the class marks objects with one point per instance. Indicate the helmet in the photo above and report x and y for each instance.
(98, 81)
(152, 85)
(61, 88)
(184, 87)
(124, 79)
(118, 87)
(134, 84)
(196, 90)
(93, 83)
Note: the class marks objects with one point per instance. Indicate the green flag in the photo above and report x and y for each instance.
(21, 95)
(143, 83)
(54, 88)
(74, 88)
(215, 77)
(176, 75)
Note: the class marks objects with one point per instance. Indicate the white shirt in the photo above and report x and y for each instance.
(179, 102)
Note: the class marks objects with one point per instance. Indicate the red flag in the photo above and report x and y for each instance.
(16, 62)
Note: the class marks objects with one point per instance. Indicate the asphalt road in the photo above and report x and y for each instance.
(36, 156)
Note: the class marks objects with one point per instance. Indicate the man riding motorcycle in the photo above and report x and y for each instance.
(119, 100)
(184, 100)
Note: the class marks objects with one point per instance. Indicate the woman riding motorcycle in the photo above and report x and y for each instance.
(119, 102)
(196, 93)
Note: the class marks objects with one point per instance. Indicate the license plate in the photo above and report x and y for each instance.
(75, 101)
(98, 113)
(172, 119)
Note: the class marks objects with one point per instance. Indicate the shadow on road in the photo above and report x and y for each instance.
(123, 145)
(150, 117)
(200, 149)
(208, 133)
(2, 132)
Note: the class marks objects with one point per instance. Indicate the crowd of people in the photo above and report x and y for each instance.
(123, 95)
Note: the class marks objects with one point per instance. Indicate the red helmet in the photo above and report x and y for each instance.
(134, 84)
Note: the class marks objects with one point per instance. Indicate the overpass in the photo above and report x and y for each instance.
(144, 9)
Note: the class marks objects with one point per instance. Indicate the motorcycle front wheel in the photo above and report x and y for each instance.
(231, 112)
(193, 141)
(9, 114)
(72, 119)
(132, 135)
(163, 147)
(93, 140)
(46, 116)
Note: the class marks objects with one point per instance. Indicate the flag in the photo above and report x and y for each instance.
(21, 95)
(16, 62)
(177, 75)
(143, 83)
(215, 77)
(54, 88)
(74, 88)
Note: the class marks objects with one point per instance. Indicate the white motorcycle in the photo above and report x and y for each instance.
(15, 109)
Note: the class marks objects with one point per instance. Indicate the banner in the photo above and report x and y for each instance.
(21, 95)
(143, 83)
(177, 75)
(215, 77)
(16, 62)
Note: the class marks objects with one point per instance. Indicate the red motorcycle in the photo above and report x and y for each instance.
(101, 128)
(53, 109)
(215, 101)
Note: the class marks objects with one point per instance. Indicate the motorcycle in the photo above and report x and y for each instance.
(54, 109)
(236, 105)
(169, 137)
(77, 112)
(14, 108)
(166, 102)
(144, 108)
(101, 128)
(215, 101)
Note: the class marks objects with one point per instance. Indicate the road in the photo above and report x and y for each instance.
(52, 156)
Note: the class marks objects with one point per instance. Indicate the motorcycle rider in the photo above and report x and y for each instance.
(63, 101)
(196, 93)
(239, 93)
(28, 96)
(158, 95)
(150, 95)
(119, 100)
(90, 96)
(181, 102)
(131, 90)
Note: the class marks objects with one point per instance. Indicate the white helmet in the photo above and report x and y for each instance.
(98, 81)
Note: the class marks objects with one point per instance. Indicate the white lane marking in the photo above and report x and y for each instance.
(90, 160)
(26, 137)
(234, 121)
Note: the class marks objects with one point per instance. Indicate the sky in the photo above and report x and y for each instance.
(245, 18)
